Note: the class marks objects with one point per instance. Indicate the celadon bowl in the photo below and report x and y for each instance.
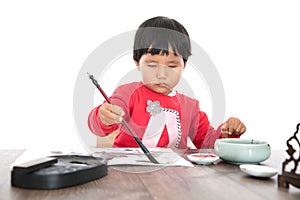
(242, 151)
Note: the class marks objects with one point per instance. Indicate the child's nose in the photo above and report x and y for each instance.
(161, 72)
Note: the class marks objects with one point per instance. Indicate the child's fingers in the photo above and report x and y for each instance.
(116, 110)
(233, 126)
(104, 115)
(225, 130)
(110, 114)
(240, 129)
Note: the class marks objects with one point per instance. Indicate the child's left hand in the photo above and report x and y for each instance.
(233, 126)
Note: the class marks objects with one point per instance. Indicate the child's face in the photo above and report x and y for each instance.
(161, 73)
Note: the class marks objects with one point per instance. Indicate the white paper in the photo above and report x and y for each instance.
(114, 156)
(135, 156)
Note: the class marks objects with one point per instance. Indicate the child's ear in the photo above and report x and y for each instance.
(184, 64)
(137, 64)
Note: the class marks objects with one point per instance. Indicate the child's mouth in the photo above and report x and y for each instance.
(163, 85)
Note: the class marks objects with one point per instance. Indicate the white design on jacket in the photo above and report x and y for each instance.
(160, 118)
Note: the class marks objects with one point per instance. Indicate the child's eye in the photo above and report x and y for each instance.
(172, 66)
(151, 65)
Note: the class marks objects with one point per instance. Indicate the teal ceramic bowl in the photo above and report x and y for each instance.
(242, 151)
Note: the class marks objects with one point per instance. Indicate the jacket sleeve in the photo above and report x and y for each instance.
(206, 135)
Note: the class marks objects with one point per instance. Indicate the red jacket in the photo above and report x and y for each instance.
(133, 99)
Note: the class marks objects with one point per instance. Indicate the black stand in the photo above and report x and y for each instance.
(291, 177)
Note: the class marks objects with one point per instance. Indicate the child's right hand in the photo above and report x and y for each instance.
(110, 114)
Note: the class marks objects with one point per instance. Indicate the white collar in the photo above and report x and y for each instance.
(172, 94)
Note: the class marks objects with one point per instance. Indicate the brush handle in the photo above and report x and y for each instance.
(138, 141)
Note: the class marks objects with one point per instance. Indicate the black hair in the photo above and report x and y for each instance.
(158, 34)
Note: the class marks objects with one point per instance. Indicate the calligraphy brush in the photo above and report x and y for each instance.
(138, 141)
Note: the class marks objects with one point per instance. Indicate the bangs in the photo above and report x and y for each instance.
(161, 41)
(162, 52)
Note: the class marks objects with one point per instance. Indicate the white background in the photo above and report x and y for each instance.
(255, 46)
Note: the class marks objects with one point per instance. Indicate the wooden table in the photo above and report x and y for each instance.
(220, 181)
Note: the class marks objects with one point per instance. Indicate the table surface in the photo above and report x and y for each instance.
(219, 181)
